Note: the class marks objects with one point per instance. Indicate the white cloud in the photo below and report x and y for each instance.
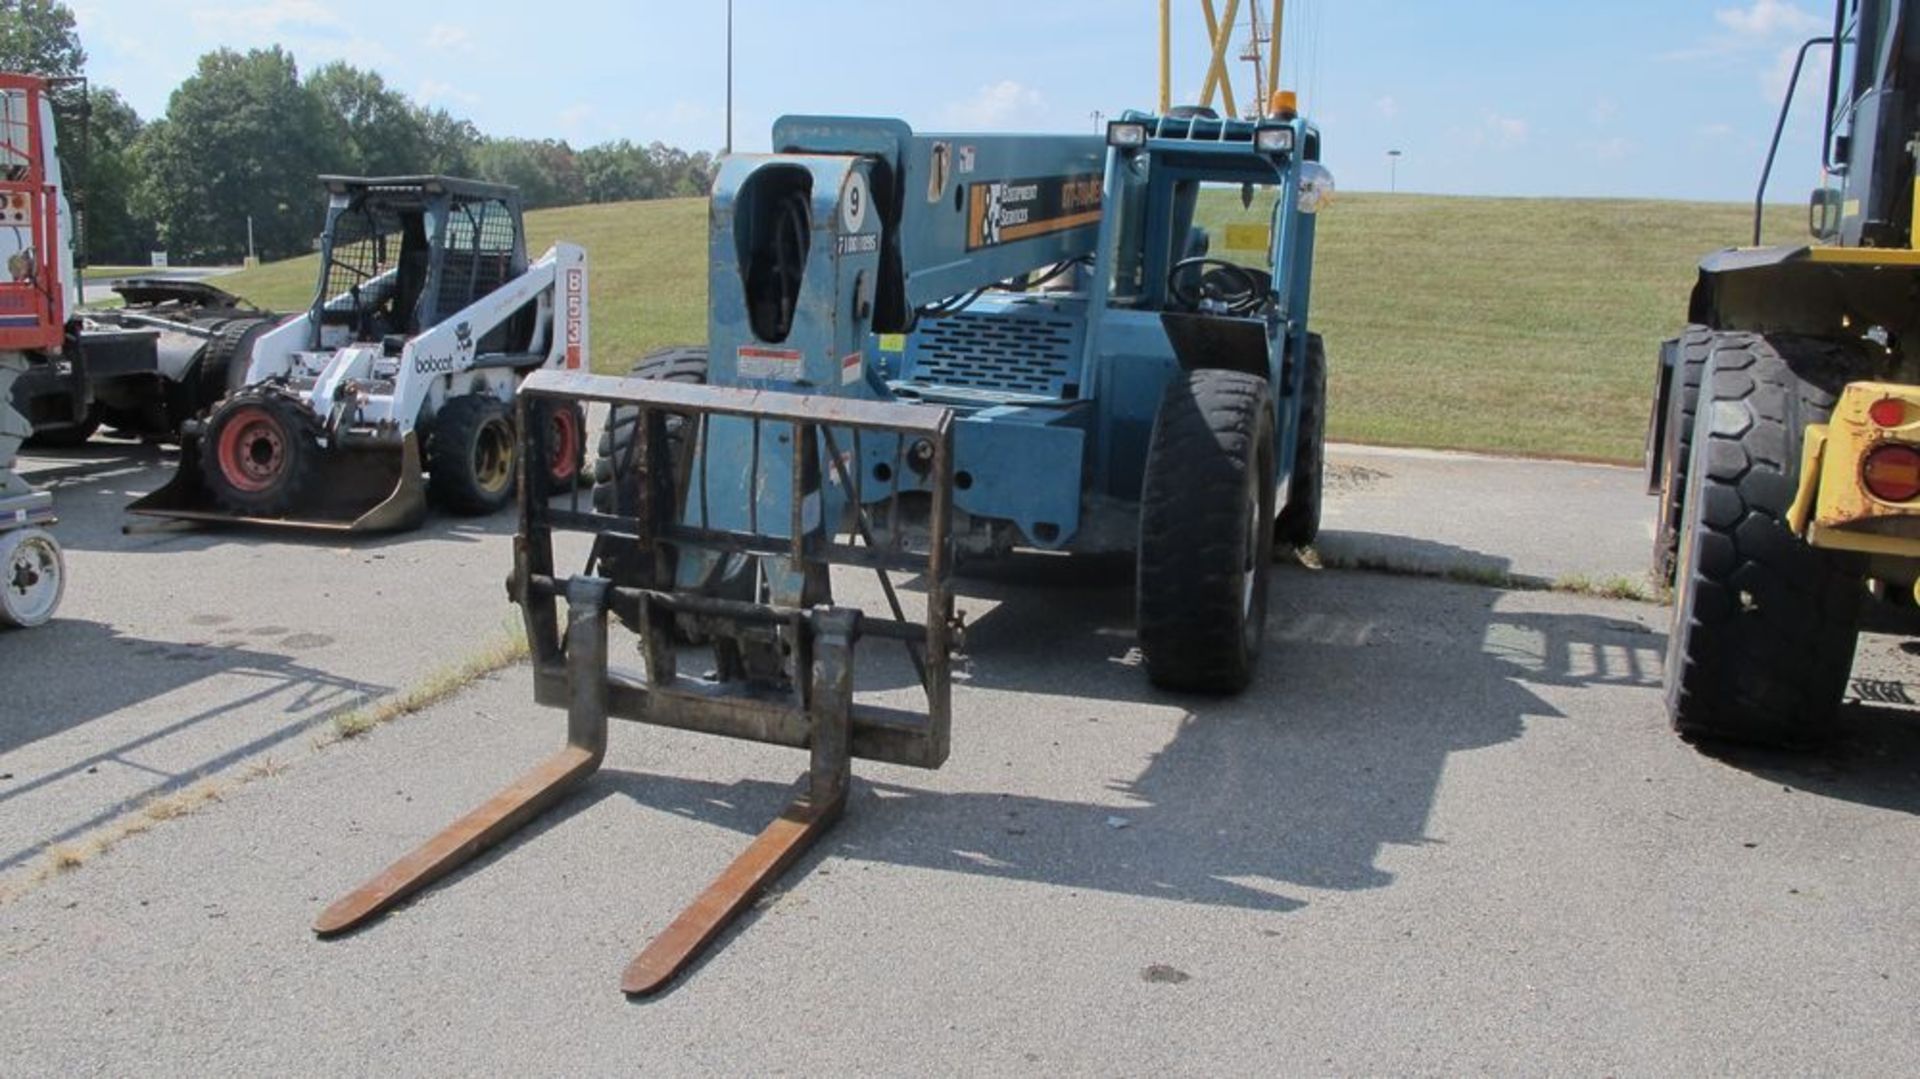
(1613, 149)
(1387, 107)
(1603, 112)
(446, 37)
(1767, 18)
(1773, 80)
(1504, 130)
(263, 20)
(1716, 131)
(433, 91)
(997, 105)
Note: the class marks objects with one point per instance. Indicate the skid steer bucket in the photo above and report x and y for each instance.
(783, 666)
(354, 489)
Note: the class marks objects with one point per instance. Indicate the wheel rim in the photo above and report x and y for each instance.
(493, 456)
(564, 436)
(253, 449)
(31, 586)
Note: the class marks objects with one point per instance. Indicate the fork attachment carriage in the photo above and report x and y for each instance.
(766, 485)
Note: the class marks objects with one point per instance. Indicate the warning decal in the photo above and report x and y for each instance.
(771, 363)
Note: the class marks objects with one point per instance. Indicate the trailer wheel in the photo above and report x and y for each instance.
(67, 436)
(1690, 351)
(1764, 626)
(33, 577)
(259, 454)
(472, 456)
(222, 367)
(1299, 522)
(1206, 532)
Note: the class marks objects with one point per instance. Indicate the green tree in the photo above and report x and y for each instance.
(242, 138)
(450, 145)
(37, 37)
(543, 169)
(378, 130)
(115, 233)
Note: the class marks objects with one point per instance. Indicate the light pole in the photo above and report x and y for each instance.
(1393, 171)
(1097, 117)
(729, 76)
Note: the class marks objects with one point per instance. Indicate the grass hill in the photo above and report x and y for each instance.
(1510, 325)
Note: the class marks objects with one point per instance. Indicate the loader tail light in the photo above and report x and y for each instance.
(1892, 473)
(1888, 412)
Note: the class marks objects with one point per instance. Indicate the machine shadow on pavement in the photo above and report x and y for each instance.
(1332, 755)
(275, 695)
(91, 495)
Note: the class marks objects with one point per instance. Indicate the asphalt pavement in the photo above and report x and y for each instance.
(1446, 831)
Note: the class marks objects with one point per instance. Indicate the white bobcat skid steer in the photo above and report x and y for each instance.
(426, 319)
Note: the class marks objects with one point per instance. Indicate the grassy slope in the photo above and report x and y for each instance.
(1513, 325)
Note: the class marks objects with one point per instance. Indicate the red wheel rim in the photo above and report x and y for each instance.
(563, 434)
(253, 449)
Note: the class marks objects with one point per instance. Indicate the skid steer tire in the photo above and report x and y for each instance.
(1689, 359)
(1764, 626)
(1206, 532)
(259, 454)
(566, 427)
(471, 458)
(1299, 522)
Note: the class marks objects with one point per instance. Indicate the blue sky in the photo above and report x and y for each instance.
(1660, 98)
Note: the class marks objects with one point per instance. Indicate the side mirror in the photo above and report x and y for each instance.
(1198, 242)
(1824, 214)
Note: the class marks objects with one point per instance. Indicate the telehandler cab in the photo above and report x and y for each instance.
(921, 349)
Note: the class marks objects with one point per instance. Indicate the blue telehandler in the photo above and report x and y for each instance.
(922, 350)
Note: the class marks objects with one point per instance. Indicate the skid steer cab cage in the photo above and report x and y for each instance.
(783, 660)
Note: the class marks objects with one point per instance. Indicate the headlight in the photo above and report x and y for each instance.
(1272, 140)
(1126, 135)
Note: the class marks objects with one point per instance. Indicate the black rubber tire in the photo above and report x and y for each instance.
(684, 363)
(299, 454)
(1299, 522)
(66, 436)
(565, 474)
(222, 368)
(462, 467)
(1689, 360)
(1206, 532)
(1764, 626)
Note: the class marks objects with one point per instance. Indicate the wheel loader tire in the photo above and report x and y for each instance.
(1689, 357)
(259, 454)
(1299, 522)
(1206, 532)
(471, 457)
(1764, 626)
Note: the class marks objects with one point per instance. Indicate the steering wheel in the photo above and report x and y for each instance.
(1195, 280)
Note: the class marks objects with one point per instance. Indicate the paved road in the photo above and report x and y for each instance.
(1446, 831)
